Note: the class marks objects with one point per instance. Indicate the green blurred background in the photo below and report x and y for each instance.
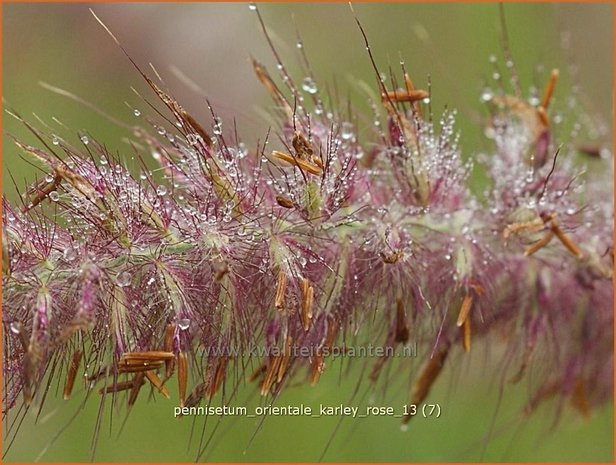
(63, 45)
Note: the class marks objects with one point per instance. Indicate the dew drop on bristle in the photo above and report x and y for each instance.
(69, 254)
(252, 6)
(308, 85)
(124, 279)
(85, 140)
(487, 95)
(49, 178)
(136, 112)
(530, 175)
(346, 130)
(15, 327)
(161, 190)
(184, 324)
(54, 196)
(55, 140)
(217, 127)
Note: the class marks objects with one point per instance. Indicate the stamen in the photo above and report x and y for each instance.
(549, 89)
(168, 347)
(117, 387)
(157, 383)
(568, 243)
(392, 257)
(269, 84)
(429, 373)
(466, 335)
(545, 240)
(302, 147)
(280, 291)
(406, 96)
(138, 381)
(258, 372)
(71, 374)
(402, 329)
(307, 302)
(286, 358)
(270, 376)
(138, 366)
(526, 226)
(182, 377)
(302, 164)
(42, 192)
(465, 308)
(284, 201)
(219, 376)
(318, 366)
(157, 356)
(222, 268)
(543, 116)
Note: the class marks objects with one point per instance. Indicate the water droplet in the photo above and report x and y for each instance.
(69, 254)
(136, 112)
(161, 190)
(49, 178)
(184, 324)
(487, 95)
(85, 140)
(346, 130)
(15, 327)
(124, 279)
(55, 140)
(309, 85)
(252, 6)
(299, 44)
(54, 196)
(217, 127)
(193, 139)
